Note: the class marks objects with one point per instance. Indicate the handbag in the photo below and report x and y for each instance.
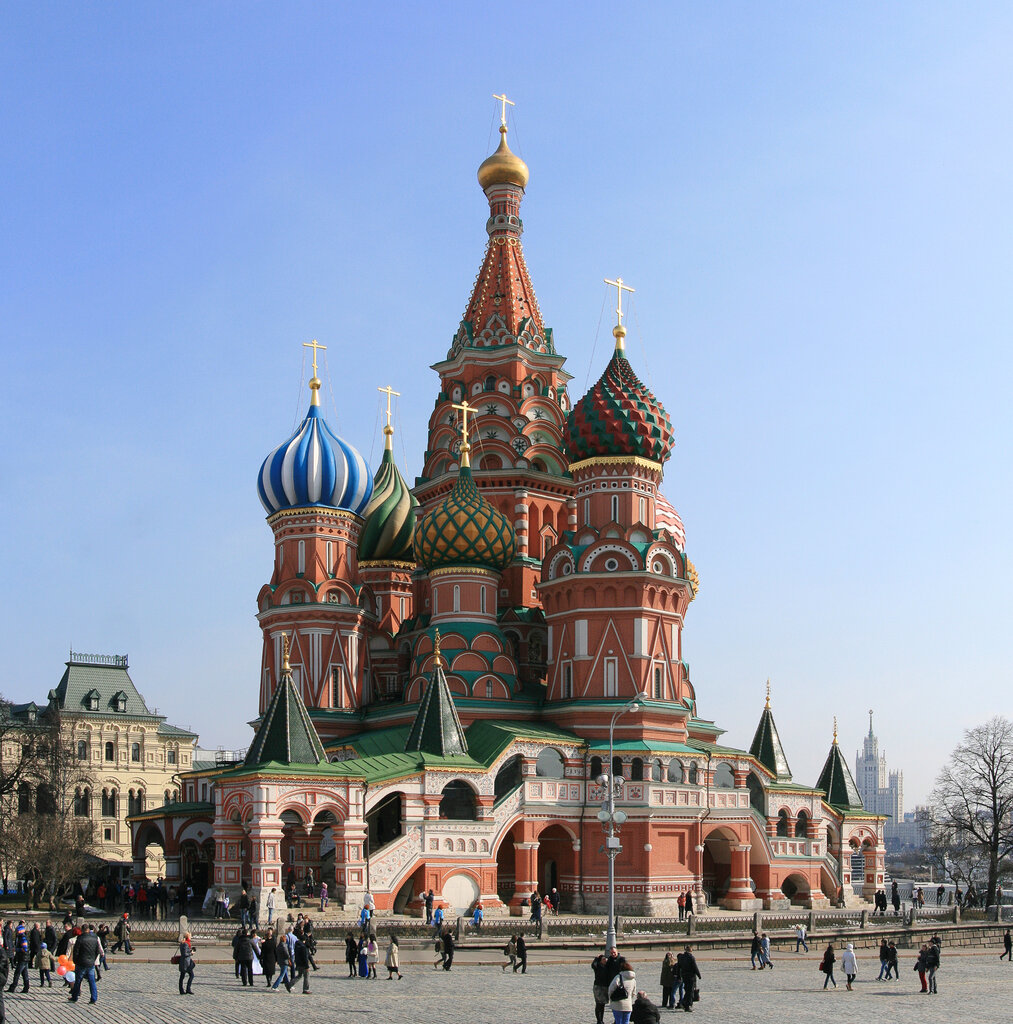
(696, 995)
(620, 992)
(174, 959)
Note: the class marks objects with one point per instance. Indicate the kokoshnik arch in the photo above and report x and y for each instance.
(441, 663)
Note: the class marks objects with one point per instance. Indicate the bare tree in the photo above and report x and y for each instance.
(973, 799)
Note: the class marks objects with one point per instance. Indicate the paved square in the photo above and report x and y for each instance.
(972, 986)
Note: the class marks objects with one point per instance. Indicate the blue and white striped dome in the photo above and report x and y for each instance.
(314, 467)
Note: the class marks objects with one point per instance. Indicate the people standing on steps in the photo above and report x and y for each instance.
(271, 903)
(429, 906)
(827, 965)
(622, 991)
(849, 964)
(186, 964)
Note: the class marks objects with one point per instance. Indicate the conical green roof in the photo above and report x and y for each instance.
(437, 728)
(389, 517)
(286, 734)
(836, 781)
(766, 747)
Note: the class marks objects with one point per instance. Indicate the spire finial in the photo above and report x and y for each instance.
(503, 101)
(870, 721)
(768, 693)
(465, 447)
(437, 657)
(835, 730)
(314, 380)
(285, 649)
(388, 431)
(619, 332)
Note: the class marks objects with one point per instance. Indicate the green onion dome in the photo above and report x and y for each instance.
(465, 530)
(619, 416)
(389, 517)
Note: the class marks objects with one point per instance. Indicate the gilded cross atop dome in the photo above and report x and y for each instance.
(768, 691)
(314, 380)
(465, 408)
(285, 651)
(504, 101)
(437, 657)
(835, 730)
(388, 430)
(619, 332)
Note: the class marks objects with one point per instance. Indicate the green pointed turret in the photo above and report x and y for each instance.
(766, 746)
(437, 728)
(836, 781)
(286, 734)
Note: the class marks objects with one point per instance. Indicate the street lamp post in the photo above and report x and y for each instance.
(612, 819)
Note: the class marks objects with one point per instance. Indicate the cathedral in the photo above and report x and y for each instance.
(454, 673)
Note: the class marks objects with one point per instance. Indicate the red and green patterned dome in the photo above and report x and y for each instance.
(464, 530)
(619, 416)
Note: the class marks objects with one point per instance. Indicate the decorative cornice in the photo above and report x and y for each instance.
(310, 510)
(383, 564)
(617, 460)
(463, 571)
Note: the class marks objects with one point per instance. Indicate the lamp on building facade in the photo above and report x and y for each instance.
(612, 820)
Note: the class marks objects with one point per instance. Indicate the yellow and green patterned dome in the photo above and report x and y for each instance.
(465, 530)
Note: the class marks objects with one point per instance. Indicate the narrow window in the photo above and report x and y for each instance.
(643, 511)
(135, 751)
(587, 511)
(567, 681)
(457, 599)
(330, 557)
(110, 752)
(302, 556)
(659, 682)
(82, 750)
(488, 688)
(337, 686)
(402, 608)
(615, 508)
(611, 671)
(170, 757)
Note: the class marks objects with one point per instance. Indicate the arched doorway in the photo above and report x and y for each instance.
(506, 865)
(556, 861)
(460, 892)
(197, 866)
(383, 822)
(717, 863)
(796, 888)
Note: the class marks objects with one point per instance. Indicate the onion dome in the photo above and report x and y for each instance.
(390, 515)
(619, 416)
(667, 518)
(314, 467)
(503, 167)
(465, 530)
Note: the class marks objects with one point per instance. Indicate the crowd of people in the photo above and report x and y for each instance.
(615, 986)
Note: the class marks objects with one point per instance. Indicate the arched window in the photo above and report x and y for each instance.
(595, 767)
(82, 803)
(135, 751)
(694, 775)
(724, 777)
(636, 770)
(782, 823)
(457, 599)
(110, 752)
(458, 802)
(24, 798)
(549, 764)
(675, 773)
(509, 777)
(617, 768)
(655, 771)
(802, 825)
(45, 800)
(490, 383)
(481, 600)
(82, 750)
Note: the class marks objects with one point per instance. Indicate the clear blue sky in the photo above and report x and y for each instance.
(812, 201)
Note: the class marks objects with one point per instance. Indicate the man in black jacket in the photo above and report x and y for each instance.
(448, 949)
(85, 955)
(688, 973)
(644, 1011)
(605, 970)
(302, 963)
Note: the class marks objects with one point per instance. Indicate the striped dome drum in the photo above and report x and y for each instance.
(314, 467)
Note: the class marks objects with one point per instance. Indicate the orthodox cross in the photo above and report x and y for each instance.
(504, 101)
(313, 345)
(620, 288)
(835, 730)
(465, 447)
(437, 659)
(388, 430)
(768, 691)
(285, 647)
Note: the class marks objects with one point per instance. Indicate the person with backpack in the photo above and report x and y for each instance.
(522, 955)
(621, 992)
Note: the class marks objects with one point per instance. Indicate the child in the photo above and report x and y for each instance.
(46, 963)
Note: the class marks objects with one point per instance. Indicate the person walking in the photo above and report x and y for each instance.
(765, 952)
(884, 960)
(392, 961)
(510, 952)
(85, 955)
(801, 936)
(827, 965)
(301, 961)
(668, 981)
(244, 957)
(440, 955)
(186, 964)
(689, 974)
(522, 955)
(284, 958)
(849, 964)
(755, 951)
(1007, 945)
(122, 933)
(448, 949)
(604, 968)
(21, 958)
(892, 965)
(46, 963)
(622, 991)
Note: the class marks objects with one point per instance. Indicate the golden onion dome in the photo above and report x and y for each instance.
(503, 167)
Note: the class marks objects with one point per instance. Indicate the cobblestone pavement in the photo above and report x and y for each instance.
(972, 986)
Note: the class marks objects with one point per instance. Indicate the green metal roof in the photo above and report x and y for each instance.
(107, 675)
(286, 734)
(835, 780)
(766, 747)
(437, 727)
(175, 810)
